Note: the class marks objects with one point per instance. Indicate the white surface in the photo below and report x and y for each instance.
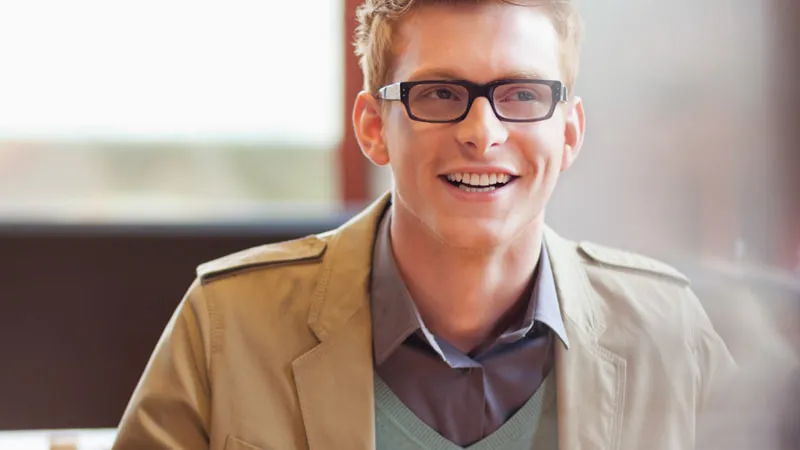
(97, 439)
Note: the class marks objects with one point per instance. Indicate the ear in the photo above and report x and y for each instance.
(573, 133)
(368, 126)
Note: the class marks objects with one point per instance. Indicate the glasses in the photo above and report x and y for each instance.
(439, 101)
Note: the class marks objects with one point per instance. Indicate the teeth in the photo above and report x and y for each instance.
(480, 179)
(473, 189)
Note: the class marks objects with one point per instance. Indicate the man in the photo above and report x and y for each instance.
(446, 315)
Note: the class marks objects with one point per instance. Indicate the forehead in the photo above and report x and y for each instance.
(480, 43)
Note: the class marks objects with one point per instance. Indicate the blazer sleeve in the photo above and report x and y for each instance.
(170, 407)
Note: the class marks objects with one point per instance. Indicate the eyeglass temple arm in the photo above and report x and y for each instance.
(391, 92)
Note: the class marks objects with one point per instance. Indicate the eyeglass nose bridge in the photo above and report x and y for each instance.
(477, 91)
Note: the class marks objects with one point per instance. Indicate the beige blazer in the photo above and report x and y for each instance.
(271, 349)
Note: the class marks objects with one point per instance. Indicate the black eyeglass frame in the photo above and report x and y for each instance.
(400, 92)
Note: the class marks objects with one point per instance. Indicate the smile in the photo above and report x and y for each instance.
(479, 182)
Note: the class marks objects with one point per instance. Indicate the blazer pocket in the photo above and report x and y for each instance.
(237, 444)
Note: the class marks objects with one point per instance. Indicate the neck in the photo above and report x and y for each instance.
(464, 296)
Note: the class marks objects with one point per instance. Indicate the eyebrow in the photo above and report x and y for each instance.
(443, 74)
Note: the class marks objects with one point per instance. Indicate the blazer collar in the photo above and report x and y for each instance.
(343, 287)
(579, 304)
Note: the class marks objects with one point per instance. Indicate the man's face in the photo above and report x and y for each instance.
(481, 44)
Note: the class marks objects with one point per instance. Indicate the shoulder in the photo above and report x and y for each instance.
(261, 295)
(621, 262)
(649, 292)
(303, 251)
(641, 290)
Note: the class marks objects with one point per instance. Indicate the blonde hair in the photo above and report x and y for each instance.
(377, 19)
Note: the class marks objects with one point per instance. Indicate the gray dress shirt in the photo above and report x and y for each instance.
(464, 397)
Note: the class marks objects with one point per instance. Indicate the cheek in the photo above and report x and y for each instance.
(541, 148)
(414, 147)
(396, 138)
(404, 160)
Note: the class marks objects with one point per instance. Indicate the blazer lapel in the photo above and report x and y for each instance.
(335, 388)
(590, 378)
(590, 389)
(334, 380)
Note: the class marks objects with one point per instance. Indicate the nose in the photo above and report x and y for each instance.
(481, 129)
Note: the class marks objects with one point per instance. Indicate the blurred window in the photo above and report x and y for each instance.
(162, 110)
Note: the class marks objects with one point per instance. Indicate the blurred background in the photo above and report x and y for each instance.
(139, 139)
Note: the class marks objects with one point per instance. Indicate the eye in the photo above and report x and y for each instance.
(440, 93)
(444, 94)
(522, 95)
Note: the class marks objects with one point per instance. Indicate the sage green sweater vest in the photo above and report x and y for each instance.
(533, 427)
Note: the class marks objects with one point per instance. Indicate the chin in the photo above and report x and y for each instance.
(475, 238)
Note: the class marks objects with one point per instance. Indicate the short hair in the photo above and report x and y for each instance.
(377, 20)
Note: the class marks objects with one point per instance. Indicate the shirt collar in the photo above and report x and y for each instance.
(395, 317)
(547, 309)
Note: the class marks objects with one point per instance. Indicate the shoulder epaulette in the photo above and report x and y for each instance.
(299, 250)
(630, 261)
